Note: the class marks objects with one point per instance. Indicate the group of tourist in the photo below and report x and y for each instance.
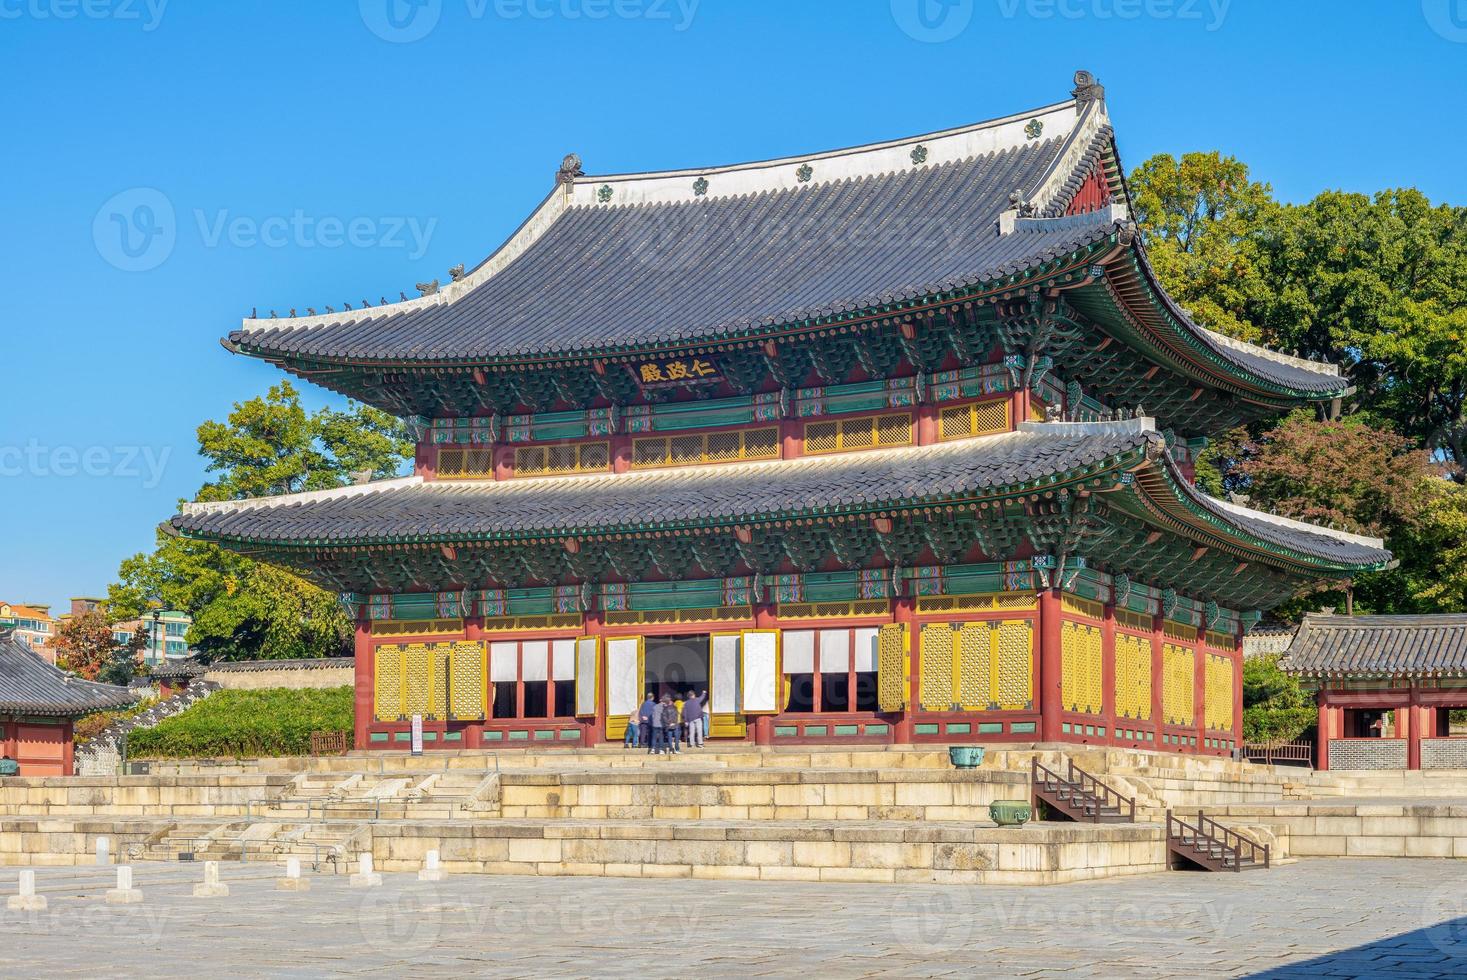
(664, 726)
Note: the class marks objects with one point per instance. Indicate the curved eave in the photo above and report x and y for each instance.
(1171, 502)
(1166, 334)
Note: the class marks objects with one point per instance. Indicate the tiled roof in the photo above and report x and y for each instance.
(30, 685)
(654, 259)
(251, 666)
(1379, 646)
(451, 510)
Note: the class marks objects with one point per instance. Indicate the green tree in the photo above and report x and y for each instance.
(243, 609)
(84, 646)
(1275, 707)
(1202, 215)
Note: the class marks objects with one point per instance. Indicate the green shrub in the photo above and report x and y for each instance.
(246, 724)
(1275, 707)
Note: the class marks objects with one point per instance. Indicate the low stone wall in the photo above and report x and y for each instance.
(142, 796)
(761, 794)
(773, 851)
(235, 677)
(1354, 829)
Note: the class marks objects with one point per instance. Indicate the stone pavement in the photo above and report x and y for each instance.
(1344, 918)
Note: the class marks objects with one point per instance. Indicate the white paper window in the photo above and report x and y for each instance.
(586, 676)
(725, 691)
(563, 660)
(799, 651)
(761, 671)
(865, 657)
(835, 651)
(623, 685)
(536, 660)
(504, 662)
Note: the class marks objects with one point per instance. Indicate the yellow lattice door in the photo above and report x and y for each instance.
(892, 687)
(1080, 670)
(438, 667)
(935, 686)
(417, 680)
(975, 665)
(467, 681)
(387, 683)
(1133, 677)
(1178, 692)
(1218, 691)
(1013, 681)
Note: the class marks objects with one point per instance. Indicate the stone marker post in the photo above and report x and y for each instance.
(212, 887)
(431, 870)
(365, 876)
(124, 893)
(293, 882)
(104, 849)
(27, 900)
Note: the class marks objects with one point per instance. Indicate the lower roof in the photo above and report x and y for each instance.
(1379, 646)
(1040, 455)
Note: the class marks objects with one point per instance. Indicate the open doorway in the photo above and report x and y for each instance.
(675, 665)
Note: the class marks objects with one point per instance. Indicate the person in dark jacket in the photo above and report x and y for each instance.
(693, 709)
(670, 721)
(646, 713)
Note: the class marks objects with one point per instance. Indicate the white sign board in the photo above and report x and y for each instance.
(417, 734)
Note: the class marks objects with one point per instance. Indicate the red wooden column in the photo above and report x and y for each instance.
(1321, 740)
(425, 461)
(1108, 671)
(764, 619)
(365, 700)
(68, 748)
(621, 452)
(1158, 702)
(904, 611)
(927, 433)
(503, 462)
(791, 445)
(595, 730)
(1051, 693)
(1410, 718)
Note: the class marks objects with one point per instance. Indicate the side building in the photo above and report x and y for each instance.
(889, 444)
(38, 703)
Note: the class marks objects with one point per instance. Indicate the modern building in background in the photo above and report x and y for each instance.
(167, 635)
(30, 625)
(889, 444)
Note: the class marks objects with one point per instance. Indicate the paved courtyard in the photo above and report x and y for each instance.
(1333, 917)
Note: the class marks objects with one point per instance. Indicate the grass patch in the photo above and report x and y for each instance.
(245, 724)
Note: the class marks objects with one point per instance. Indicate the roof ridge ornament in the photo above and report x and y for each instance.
(570, 169)
(1087, 89)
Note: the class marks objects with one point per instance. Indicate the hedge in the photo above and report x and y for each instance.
(246, 724)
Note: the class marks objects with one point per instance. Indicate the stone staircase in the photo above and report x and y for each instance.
(102, 756)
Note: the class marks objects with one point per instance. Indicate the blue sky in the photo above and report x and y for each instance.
(428, 129)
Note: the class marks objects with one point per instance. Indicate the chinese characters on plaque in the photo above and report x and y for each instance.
(677, 371)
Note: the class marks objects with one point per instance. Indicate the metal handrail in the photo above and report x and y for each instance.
(1227, 839)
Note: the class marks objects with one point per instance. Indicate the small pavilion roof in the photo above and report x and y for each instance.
(29, 685)
(1331, 646)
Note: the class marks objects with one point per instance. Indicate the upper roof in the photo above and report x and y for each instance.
(647, 261)
(30, 685)
(19, 611)
(1379, 646)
